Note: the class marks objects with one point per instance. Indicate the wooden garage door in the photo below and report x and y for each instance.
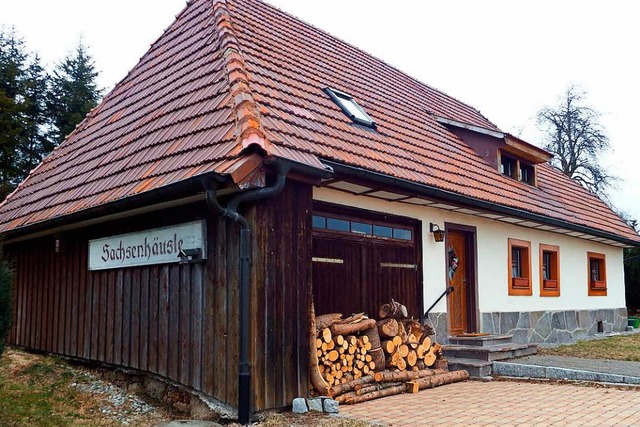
(361, 260)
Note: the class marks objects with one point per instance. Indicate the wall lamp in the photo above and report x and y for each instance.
(438, 234)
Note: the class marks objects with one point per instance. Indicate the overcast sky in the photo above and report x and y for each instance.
(506, 58)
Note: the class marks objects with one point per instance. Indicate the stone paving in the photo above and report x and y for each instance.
(509, 403)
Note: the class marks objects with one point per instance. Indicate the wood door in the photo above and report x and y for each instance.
(457, 276)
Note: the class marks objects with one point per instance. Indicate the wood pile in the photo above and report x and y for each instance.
(357, 359)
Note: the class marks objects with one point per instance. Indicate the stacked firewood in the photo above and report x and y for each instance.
(345, 347)
(406, 342)
(351, 363)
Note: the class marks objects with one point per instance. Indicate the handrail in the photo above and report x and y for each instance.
(446, 292)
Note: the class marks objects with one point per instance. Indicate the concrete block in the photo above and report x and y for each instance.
(330, 406)
(315, 404)
(300, 406)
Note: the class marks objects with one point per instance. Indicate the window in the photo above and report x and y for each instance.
(549, 271)
(350, 107)
(526, 173)
(597, 274)
(322, 222)
(508, 166)
(519, 267)
(517, 169)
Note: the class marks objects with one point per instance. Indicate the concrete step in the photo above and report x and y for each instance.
(481, 341)
(489, 353)
(476, 368)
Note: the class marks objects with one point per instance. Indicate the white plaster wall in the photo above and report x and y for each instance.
(492, 259)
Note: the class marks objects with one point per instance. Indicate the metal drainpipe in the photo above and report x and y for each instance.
(244, 367)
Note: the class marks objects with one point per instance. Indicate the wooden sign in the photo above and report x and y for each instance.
(155, 246)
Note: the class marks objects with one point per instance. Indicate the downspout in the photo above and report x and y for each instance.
(231, 212)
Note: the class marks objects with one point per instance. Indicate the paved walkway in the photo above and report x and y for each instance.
(475, 403)
(618, 367)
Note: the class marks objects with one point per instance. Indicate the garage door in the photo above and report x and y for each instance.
(362, 260)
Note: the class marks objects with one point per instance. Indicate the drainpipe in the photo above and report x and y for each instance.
(231, 212)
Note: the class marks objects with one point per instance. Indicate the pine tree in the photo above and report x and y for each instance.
(12, 71)
(74, 91)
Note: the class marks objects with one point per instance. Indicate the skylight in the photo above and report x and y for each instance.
(350, 107)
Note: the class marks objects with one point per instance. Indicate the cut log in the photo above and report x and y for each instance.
(429, 358)
(402, 333)
(351, 339)
(318, 383)
(402, 364)
(331, 345)
(354, 318)
(412, 358)
(397, 340)
(436, 380)
(326, 335)
(375, 395)
(325, 320)
(414, 327)
(403, 350)
(393, 309)
(412, 342)
(333, 355)
(318, 343)
(342, 398)
(338, 340)
(388, 328)
(420, 351)
(368, 388)
(348, 386)
(389, 376)
(389, 346)
(351, 328)
(377, 358)
(426, 343)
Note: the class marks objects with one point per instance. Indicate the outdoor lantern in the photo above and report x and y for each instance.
(438, 234)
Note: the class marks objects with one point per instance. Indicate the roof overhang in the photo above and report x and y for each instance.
(514, 145)
(420, 194)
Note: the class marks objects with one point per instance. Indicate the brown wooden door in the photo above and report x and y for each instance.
(458, 278)
(358, 276)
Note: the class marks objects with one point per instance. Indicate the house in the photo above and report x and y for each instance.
(251, 164)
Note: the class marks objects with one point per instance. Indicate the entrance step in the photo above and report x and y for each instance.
(480, 340)
(476, 368)
(489, 353)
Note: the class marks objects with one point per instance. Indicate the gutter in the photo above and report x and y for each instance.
(425, 190)
(231, 212)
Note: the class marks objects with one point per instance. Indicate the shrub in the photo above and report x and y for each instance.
(5, 303)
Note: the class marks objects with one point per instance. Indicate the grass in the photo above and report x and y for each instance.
(37, 391)
(622, 347)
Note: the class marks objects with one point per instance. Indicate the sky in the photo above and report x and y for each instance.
(506, 58)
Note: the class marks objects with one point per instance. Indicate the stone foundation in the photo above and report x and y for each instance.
(440, 323)
(552, 327)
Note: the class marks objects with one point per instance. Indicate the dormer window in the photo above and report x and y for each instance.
(350, 107)
(526, 173)
(516, 168)
(508, 166)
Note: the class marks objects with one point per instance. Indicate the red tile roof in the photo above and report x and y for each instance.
(228, 74)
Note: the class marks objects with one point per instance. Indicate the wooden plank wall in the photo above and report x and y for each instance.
(178, 321)
(282, 276)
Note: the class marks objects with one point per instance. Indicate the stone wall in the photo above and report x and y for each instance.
(551, 327)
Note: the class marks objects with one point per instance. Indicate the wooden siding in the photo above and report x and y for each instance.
(177, 321)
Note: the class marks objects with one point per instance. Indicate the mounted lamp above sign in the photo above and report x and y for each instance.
(178, 243)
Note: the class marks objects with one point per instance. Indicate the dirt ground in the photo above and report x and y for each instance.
(39, 390)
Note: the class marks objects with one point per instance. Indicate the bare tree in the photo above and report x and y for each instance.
(576, 138)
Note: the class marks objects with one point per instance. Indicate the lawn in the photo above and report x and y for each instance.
(40, 390)
(622, 347)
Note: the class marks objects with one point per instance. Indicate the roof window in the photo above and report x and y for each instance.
(350, 107)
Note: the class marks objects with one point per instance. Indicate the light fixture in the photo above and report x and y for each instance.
(438, 234)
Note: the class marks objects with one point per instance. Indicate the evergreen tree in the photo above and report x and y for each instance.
(74, 91)
(12, 72)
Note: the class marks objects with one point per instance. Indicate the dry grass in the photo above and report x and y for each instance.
(624, 347)
(44, 391)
